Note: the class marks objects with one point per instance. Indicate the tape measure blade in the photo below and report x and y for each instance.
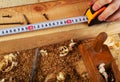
(43, 25)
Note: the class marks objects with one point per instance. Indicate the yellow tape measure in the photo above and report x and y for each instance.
(93, 15)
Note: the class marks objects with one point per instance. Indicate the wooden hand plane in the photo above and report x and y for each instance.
(96, 53)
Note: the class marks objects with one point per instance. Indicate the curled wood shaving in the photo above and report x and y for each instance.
(8, 62)
(71, 45)
(103, 71)
(50, 77)
(2, 64)
(63, 50)
(44, 52)
(61, 76)
(10, 67)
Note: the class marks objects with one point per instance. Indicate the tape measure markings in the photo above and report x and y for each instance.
(43, 25)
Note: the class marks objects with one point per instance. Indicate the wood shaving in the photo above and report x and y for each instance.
(63, 50)
(61, 76)
(10, 67)
(8, 62)
(71, 45)
(50, 77)
(44, 52)
(113, 42)
(103, 71)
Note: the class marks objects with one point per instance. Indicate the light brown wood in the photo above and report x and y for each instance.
(11, 3)
(94, 56)
(54, 10)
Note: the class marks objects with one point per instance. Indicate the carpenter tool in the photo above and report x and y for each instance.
(93, 15)
(94, 54)
(89, 17)
(11, 23)
(34, 65)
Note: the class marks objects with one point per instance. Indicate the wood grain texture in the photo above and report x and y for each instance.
(54, 10)
(11, 3)
(93, 57)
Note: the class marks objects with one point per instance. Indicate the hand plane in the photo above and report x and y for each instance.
(94, 55)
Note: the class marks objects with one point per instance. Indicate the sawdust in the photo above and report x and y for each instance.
(113, 43)
(49, 64)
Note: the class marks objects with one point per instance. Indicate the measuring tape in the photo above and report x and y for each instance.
(91, 17)
(43, 25)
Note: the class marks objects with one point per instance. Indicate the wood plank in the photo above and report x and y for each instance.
(11, 3)
(55, 35)
(55, 10)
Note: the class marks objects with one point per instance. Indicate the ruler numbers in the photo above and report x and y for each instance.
(43, 25)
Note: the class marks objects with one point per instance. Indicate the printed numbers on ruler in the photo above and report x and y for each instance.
(43, 25)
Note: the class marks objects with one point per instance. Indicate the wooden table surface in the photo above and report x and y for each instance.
(54, 10)
(12, 3)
